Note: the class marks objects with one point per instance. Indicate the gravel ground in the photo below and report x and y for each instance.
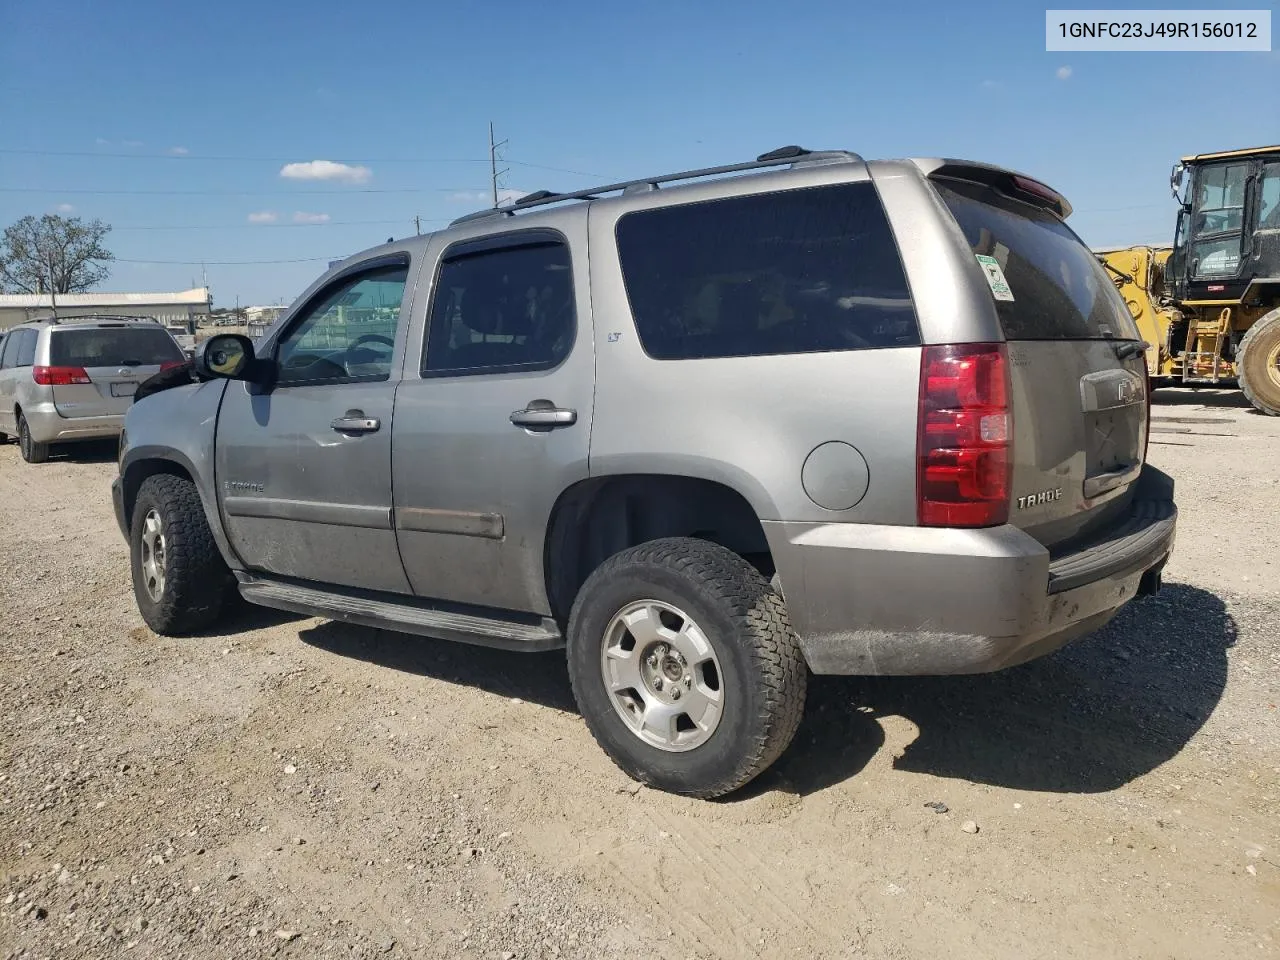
(297, 788)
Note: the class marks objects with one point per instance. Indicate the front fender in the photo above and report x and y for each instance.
(174, 432)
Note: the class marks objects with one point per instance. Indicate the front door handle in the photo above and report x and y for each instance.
(544, 415)
(354, 421)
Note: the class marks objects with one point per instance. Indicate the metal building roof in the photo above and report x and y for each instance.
(196, 296)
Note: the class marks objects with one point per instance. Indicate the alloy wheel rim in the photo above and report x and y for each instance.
(152, 555)
(662, 676)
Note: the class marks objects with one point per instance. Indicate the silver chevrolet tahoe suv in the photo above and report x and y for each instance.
(70, 379)
(707, 432)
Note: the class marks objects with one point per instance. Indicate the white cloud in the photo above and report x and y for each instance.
(264, 216)
(301, 217)
(102, 142)
(65, 208)
(506, 196)
(178, 151)
(326, 170)
(1064, 73)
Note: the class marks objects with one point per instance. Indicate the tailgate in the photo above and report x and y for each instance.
(1079, 393)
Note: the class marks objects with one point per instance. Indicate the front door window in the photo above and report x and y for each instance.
(348, 335)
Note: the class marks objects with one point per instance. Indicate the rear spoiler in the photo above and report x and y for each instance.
(1012, 184)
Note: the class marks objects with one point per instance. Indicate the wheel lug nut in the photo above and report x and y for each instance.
(688, 683)
(657, 683)
(675, 693)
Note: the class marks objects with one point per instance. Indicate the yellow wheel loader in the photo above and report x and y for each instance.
(1209, 306)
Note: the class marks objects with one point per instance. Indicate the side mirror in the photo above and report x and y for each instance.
(226, 355)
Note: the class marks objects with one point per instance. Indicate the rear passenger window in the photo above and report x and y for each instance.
(8, 350)
(501, 309)
(801, 271)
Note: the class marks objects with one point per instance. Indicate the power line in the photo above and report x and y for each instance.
(262, 226)
(233, 193)
(260, 159)
(226, 263)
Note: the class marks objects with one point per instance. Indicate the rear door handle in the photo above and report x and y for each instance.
(356, 422)
(544, 415)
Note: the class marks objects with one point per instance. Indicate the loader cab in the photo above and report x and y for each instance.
(1228, 229)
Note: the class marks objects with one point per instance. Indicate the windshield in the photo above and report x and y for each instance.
(112, 347)
(1056, 289)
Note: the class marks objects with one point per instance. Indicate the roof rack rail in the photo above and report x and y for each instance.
(784, 156)
(95, 316)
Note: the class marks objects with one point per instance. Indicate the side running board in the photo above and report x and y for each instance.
(405, 616)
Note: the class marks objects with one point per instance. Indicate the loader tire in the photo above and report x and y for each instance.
(1258, 364)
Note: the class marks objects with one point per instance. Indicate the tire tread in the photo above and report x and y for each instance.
(1270, 323)
(196, 575)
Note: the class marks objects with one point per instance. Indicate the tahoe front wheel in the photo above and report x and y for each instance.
(685, 666)
(179, 578)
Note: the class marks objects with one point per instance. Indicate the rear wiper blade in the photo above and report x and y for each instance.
(1130, 348)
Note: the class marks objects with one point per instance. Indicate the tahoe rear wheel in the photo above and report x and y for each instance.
(179, 578)
(685, 667)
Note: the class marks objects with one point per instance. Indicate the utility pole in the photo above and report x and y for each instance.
(417, 225)
(494, 174)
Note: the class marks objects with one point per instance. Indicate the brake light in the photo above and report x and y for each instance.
(1037, 189)
(172, 365)
(59, 376)
(964, 434)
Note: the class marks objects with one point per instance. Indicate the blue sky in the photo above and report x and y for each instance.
(153, 93)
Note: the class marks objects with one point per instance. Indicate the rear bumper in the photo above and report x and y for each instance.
(48, 426)
(867, 599)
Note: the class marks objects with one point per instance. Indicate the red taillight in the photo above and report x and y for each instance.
(59, 376)
(963, 438)
(171, 364)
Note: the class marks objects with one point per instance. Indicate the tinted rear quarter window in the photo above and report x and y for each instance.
(797, 271)
(112, 347)
(1060, 291)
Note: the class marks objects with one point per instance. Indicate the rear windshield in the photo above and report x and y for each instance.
(112, 347)
(1059, 290)
(798, 271)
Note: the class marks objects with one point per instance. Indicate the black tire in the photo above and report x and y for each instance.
(1256, 364)
(193, 591)
(32, 450)
(762, 672)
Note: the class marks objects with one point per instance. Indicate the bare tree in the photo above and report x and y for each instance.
(53, 253)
